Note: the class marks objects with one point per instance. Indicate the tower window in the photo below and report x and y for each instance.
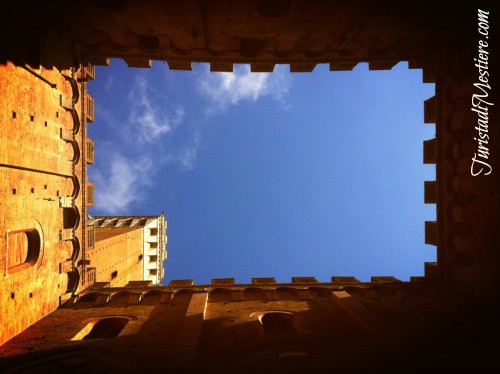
(104, 328)
(23, 249)
(278, 323)
(114, 274)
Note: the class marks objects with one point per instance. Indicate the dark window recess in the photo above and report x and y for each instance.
(14, 191)
(23, 249)
(114, 274)
(140, 257)
(70, 218)
(14, 114)
(32, 118)
(107, 328)
(278, 323)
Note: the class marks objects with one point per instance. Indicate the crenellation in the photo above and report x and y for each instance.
(221, 66)
(382, 65)
(430, 110)
(134, 62)
(263, 281)
(430, 192)
(343, 65)
(344, 279)
(304, 280)
(222, 281)
(180, 64)
(384, 279)
(431, 233)
(302, 67)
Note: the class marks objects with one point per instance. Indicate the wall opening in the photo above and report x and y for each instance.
(23, 249)
(105, 328)
(278, 323)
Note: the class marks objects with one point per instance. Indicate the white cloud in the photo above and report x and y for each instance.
(128, 162)
(224, 89)
(150, 120)
(109, 86)
(122, 183)
(188, 155)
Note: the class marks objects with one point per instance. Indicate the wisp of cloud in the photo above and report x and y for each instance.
(225, 89)
(148, 119)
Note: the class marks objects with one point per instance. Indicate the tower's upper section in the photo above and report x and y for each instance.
(153, 244)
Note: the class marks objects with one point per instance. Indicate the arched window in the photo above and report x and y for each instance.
(23, 249)
(278, 323)
(106, 328)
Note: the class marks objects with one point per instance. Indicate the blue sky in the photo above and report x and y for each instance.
(268, 175)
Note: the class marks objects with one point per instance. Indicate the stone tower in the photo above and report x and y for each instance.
(44, 190)
(129, 248)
